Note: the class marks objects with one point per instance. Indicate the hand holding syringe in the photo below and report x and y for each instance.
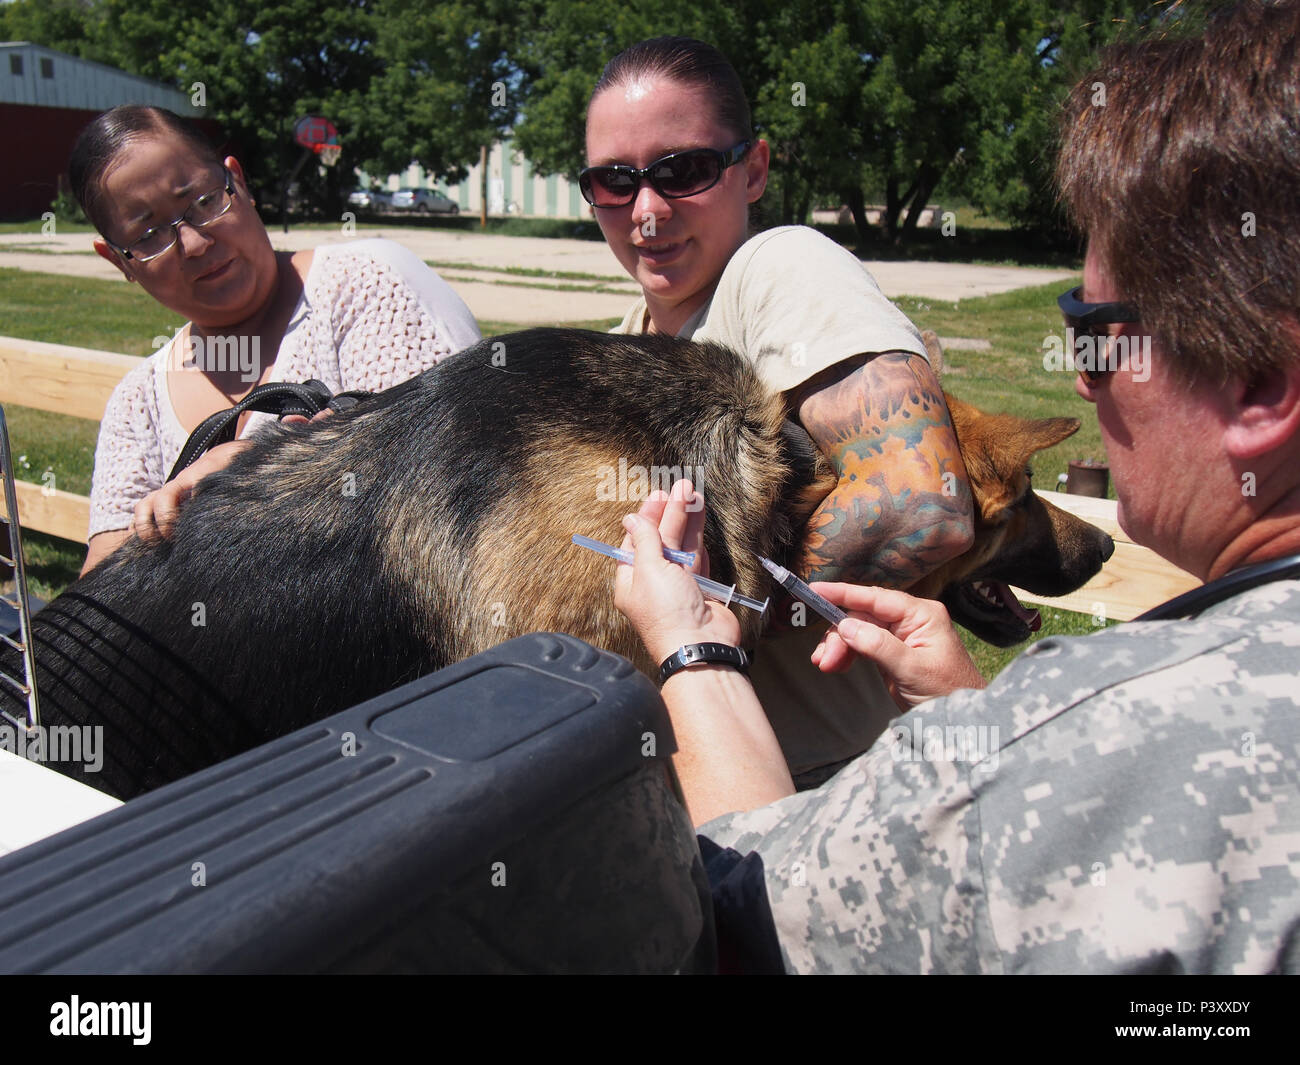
(724, 594)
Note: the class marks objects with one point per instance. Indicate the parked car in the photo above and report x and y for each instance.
(370, 199)
(423, 201)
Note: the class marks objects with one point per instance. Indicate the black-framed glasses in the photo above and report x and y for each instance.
(1084, 317)
(205, 210)
(674, 176)
(1091, 319)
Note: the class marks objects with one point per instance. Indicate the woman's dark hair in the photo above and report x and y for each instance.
(691, 62)
(102, 141)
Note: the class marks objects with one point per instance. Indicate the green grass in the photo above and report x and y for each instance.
(1009, 378)
(57, 443)
(453, 279)
(33, 226)
(518, 271)
(991, 660)
(115, 317)
(491, 327)
(968, 217)
(51, 564)
(81, 311)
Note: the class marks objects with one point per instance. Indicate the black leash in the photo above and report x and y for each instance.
(1230, 584)
(278, 398)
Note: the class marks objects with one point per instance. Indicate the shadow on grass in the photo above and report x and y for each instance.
(969, 244)
(51, 563)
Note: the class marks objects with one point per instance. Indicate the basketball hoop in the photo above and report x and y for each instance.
(317, 136)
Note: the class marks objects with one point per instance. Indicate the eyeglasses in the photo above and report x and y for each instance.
(1091, 319)
(203, 212)
(674, 176)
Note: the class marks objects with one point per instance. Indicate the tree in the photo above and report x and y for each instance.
(851, 94)
(563, 45)
(259, 65)
(856, 97)
(445, 85)
(72, 26)
(1011, 174)
(811, 107)
(403, 80)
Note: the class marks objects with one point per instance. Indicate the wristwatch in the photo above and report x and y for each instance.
(703, 654)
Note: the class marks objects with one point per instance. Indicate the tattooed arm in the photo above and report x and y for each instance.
(902, 506)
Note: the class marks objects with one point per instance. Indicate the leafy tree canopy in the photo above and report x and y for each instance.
(859, 99)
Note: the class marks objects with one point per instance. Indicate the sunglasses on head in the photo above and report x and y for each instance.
(674, 176)
(1091, 319)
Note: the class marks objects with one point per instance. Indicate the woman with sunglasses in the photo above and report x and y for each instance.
(673, 167)
(177, 219)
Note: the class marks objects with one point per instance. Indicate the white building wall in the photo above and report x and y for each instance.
(513, 189)
(55, 79)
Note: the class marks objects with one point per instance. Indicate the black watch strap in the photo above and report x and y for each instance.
(703, 654)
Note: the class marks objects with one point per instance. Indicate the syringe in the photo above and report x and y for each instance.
(685, 558)
(724, 594)
(800, 590)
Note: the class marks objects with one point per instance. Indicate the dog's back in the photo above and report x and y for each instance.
(333, 561)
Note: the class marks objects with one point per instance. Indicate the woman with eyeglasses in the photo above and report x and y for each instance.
(673, 167)
(177, 219)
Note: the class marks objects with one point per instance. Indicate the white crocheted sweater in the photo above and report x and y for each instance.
(371, 315)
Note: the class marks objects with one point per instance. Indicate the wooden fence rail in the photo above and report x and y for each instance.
(79, 381)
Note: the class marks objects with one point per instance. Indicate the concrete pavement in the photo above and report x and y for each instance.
(475, 265)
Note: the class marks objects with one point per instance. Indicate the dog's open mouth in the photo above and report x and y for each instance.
(990, 610)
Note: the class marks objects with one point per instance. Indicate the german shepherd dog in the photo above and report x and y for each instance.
(333, 561)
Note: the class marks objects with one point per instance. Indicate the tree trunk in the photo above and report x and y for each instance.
(926, 181)
(853, 197)
(892, 206)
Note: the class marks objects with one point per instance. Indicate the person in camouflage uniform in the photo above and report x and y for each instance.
(1127, 801)
(1135, 809)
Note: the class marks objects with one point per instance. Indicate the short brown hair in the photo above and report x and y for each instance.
(1174, 150)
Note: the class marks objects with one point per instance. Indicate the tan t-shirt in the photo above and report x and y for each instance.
(794, 302)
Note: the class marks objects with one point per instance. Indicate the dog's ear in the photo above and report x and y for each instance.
(1046, 432)
(1030, 437)
(997, 449)
(933, 350)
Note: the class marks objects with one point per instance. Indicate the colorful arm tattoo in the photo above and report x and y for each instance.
(902, 505)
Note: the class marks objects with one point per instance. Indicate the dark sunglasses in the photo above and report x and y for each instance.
(1091, 319)
(673, 177)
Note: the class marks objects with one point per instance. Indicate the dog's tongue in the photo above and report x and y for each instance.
(1009, 600)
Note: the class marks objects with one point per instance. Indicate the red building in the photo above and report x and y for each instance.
(46, 98)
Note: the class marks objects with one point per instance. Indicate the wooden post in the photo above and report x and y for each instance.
(482, 187)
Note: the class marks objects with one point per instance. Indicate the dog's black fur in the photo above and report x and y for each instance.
(333, 561)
